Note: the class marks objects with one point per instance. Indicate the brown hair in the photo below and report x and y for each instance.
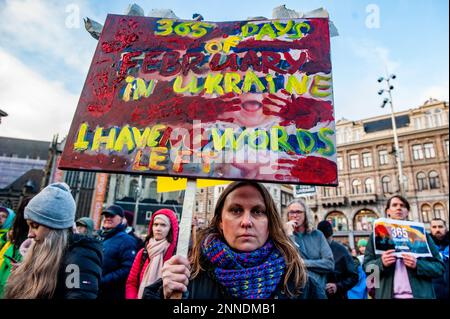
(404, 201)
(295, 267)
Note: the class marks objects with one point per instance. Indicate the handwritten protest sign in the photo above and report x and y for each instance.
(403, 236)
(226, 100)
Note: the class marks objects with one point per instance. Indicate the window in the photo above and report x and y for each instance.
(354, 161)
(401, 154)
(383, 157)
(326, 192)
(437, 117)
(429, 119)
(338, 221)
(340, 163)
(429, 150)
(386, 184)
(132, 192)
(421, 181)
(339, 189)
(369, 186)
(405, 183)
(418, 123)
(446, 147)
(438, 210)
(434, 180)
(364, 220)
(426, 213)
(356, 186)
(367, 159)
(417, 152)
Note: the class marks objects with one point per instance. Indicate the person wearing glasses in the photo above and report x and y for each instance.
(311, 243)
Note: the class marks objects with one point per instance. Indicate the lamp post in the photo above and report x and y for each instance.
(394, 126)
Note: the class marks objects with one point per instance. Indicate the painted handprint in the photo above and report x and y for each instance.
(309, 170)
(304, 112)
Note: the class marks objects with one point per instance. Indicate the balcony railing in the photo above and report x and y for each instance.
(362, 199)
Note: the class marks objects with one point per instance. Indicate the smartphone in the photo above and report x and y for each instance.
(11, 259)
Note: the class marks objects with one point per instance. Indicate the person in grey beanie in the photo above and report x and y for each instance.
(59, 264)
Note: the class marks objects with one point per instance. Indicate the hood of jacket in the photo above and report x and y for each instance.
(9, 220)
(174, 227)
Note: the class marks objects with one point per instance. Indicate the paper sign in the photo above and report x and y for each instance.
(172, 184)
(403, 236)
(242, 100)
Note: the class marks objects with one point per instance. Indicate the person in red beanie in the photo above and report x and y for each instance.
(159, 246)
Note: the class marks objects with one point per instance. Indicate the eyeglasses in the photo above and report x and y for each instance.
(296, 212)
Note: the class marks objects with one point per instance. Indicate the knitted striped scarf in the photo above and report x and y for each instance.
(252, 275)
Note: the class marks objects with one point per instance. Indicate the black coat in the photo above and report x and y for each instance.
(80, 273)
(205, 287)
(345, 274)
(440, 284)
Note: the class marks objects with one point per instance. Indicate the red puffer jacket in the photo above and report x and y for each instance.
(136, 272)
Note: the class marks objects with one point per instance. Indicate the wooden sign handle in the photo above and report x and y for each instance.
(184, 234)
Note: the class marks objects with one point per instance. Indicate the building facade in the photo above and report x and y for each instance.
(22, 166)
(368, 173)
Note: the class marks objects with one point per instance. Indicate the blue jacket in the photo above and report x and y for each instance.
(359, 291)
(119, 251)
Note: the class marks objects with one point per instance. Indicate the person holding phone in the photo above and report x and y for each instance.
(311, 243)
(405, 277)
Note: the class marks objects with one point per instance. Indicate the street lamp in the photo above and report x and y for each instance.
(388, 89)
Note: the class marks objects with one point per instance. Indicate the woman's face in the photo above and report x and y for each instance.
(160, 228)
(37, 231)
(244, 223)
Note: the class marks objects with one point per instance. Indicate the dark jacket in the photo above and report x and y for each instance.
(80, 273)
(440, 284)
(119, 251)
(205, 287)
(345, 274)
(419, 278)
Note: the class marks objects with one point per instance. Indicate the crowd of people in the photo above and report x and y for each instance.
(246, 252)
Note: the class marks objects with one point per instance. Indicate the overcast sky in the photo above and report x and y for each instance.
(45, 53)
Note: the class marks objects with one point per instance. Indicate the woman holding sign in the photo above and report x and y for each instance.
(405, 277)
(243, 254)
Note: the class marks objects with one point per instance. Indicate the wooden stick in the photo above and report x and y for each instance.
(184, 234)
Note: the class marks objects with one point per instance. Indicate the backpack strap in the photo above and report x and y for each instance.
(144, 257)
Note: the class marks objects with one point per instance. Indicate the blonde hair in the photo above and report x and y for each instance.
(37, 275)
(295, 267)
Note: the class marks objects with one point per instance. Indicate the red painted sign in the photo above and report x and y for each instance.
(230, 100)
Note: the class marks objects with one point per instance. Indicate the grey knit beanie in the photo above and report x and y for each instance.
(53, 207)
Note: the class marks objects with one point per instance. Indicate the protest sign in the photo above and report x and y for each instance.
(217, 100)
(403, 236)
